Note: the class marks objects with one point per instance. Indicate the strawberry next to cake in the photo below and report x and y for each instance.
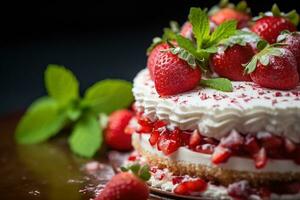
(217, 111)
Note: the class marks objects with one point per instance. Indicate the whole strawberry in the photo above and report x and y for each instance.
(115, 136)
(173, 75)
(127, 186)
(269, 27)
(153, 57)
(229, 62)
(226, 14)
(292, 41)
(274, 68)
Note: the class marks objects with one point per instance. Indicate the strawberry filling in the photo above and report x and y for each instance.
(259, 148)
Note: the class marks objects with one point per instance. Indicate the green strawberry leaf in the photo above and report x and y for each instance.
(86, 137)
(200, 23)
(275, 10)
(108, 95)
(261, 44)
(223, 31)
(263, 57)
(156, 41)
(61, 84)
(251, 66)
(221, 84)
(293, 16)
(41, 121)
(184, 55)
(175, 28)
(242, 6)
(241, 38)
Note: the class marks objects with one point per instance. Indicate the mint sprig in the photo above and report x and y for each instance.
(63, 107)
(222, 84)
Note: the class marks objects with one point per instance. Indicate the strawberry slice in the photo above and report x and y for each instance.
(154, 137)
(195, 139)
(251, 145)
(220, 155)
(289, 146)
(233, 141)
(261, 158)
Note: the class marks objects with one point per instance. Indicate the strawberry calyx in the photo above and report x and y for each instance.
(241, 38)
(169, 34)
(264, 55)
(141, 171)
(284, 34)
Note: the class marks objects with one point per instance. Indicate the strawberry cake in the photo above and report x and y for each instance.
(217, 111)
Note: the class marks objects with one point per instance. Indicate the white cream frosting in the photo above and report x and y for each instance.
(186, 155)
(248, 109)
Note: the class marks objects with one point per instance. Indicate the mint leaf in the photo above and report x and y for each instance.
(86, 137)
(144, 173)
(223, 31)
(73, 112)
(221, 84)
(200, 23)
(61, 84)
(108, 95)
(186, 44)
(41, 121)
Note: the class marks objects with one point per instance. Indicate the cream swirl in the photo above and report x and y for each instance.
(248, 109)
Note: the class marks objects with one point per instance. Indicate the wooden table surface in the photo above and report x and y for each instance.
(46, 171)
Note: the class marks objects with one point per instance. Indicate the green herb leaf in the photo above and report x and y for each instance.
(108, 95)
(61, 84)
(221, 84)
(145, 173)
(200, 23)
(186, 44)
(74, 112)
(86, 137)
(223, 31)
(242, 6)
(174, 26)
(41, 121)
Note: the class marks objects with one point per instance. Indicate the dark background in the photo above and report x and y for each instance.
(95, 39)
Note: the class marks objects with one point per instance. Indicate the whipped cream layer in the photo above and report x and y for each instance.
(186, 155)
(249, 109)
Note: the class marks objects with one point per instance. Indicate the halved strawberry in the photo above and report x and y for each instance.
(220, 155)
(260, 158)
(188, 187)
(195, 139)
(289, 146)
(251, 145)
(233, 141)
(168, 143)
(154, 137)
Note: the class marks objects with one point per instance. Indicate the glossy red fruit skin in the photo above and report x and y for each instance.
(269, 27)
(293, 44)
(227, 14)
(260, 158)
(220, 155)
(173, 75)
(153, 56)
(115, 136)
(281, 72)
(124, 186)
(195, 139)
(229, 63)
